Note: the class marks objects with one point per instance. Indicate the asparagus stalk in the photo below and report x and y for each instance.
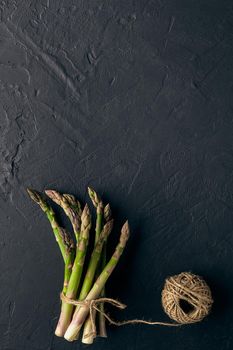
(71, 207)
(88, 337)
(102, 320)
(98, 204)
(72, 288)
(63, 239)
(87, 332)
(77, 321)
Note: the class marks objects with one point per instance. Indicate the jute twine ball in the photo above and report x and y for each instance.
(186, 298)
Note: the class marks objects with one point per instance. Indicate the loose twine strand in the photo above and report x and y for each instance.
(183, 287)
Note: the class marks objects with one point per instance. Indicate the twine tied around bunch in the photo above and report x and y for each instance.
(186, 298)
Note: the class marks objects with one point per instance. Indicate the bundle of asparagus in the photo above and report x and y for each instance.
(98, 270)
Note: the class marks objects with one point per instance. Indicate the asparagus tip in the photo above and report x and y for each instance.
(85, 218)
(50, 192)
(85, 212)
(34, 195)
(125, 231)
(94, 197)
(74, 202)
(71, 199)
(107, 212)
(54, 195)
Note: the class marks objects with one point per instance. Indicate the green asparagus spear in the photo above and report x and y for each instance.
(102, 321)
(88, 337)
(77, 321)
(63, 239)
(98, 204)
(72, 288)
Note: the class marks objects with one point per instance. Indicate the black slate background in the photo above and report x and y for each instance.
(136, 99)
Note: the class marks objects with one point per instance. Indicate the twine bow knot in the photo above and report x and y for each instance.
(92, 305)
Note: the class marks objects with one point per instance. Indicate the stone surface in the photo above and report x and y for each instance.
(136, 99)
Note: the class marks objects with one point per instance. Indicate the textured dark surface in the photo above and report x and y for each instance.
(136, 99)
